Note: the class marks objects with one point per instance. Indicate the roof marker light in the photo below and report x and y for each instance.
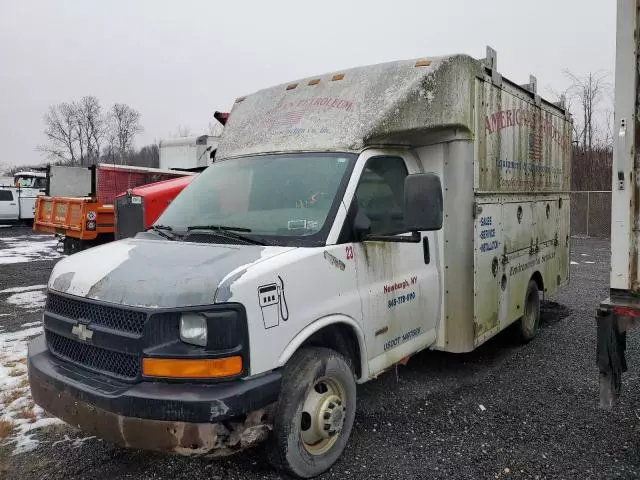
(337, 76)
(240, 99)
(292, 86)
(423, 63)
(315, 81)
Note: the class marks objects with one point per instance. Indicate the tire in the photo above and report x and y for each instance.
(316, 380)
(527, 326)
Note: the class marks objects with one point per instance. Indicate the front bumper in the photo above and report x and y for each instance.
(185, 418)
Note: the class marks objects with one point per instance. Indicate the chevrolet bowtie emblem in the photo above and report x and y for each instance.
(82, 332)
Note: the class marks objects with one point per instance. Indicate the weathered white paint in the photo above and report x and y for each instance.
(396, 302)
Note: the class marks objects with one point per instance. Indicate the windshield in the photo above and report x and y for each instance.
(286, 196)
(30, 182)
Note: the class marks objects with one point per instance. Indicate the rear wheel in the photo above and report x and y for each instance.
(315, 412)
(527, 326)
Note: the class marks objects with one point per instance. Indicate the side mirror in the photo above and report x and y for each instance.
(423, 204)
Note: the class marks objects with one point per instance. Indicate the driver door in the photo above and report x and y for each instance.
(398, 282)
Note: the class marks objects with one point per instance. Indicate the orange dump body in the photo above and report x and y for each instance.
(80, 218)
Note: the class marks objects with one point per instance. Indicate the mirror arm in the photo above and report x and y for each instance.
(415, 237)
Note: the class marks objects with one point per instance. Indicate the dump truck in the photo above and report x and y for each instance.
(78, 204)
(620, 312)
(350, 221)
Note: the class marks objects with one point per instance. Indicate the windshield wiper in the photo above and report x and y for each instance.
(230, 231)
(219, 227)
(161, 230)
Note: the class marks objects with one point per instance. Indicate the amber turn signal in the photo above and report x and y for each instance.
(205, 368)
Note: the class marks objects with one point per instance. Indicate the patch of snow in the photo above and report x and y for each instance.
(574, 263)
(75, 442)
(31, 299)
(23, 434)
(31, 324)
(584, 255)
(27, 249)
(5, 226)
(482, 408)
(20, 411)
(23, 289)
(591, 263)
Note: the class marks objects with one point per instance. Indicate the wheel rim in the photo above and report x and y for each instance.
(530, 313)
(323, 416)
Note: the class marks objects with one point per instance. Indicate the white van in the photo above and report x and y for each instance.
(350, 220)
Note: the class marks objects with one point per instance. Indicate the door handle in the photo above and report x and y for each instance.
(425, 248)
(12, 204)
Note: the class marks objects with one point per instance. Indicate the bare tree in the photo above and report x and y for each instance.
(124, 126)
(215, 128)
(183, 131)
(91, 126)
(586, 93)
(61, 132)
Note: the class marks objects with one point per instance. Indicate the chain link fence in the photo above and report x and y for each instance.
(591, 213)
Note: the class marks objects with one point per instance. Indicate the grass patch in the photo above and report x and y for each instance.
(23, 383)
(6, 427)
(27, 413)
(16, 372)
(11, 396)
(9, 365)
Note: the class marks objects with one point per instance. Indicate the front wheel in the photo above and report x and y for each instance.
(315, 412)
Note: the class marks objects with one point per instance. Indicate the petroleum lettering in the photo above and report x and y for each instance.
(502, 119)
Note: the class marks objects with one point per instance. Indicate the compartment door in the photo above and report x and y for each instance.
(488, 269)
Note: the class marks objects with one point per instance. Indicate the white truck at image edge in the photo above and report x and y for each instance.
(18, 195)
(382, 210)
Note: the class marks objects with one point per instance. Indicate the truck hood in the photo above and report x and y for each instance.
(141, 272)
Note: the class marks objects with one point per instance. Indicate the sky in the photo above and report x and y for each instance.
(177, 62)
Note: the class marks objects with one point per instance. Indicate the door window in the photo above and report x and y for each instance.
(380, 194)
(6, 196)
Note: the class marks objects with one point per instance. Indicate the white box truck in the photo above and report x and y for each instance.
(620, 312)
(187, 153)
(350, 221)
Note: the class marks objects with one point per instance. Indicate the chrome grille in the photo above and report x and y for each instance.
(115, 363)
(112, 317)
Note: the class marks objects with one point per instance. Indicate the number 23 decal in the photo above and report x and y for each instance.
(349, 252)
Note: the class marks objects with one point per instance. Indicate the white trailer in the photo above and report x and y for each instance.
(621, 311)
(350, 221)
(187, 152)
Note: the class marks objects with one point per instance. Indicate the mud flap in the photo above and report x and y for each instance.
(610, 356)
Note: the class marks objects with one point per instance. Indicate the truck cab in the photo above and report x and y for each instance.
(18, 199)
(350, 220)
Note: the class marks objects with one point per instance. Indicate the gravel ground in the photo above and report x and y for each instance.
(503, 411)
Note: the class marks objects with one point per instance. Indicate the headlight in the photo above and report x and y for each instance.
(193, 329)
